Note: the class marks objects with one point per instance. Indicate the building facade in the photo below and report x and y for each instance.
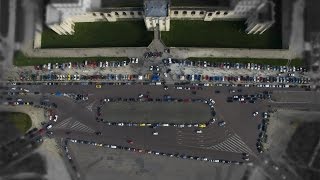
(61, 15)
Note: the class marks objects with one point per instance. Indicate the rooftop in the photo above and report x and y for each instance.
(64, 1)
(266, 12)
(156, 8)
(121, 3)
(52, 15)
(197, 3)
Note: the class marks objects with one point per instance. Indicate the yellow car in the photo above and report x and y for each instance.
(142, 124)
(202, 125)
(98, 86)
(69, 77)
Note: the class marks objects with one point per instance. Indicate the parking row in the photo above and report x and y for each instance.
(245, 79)
(165, 154)
(86, 64)
(263, 136)
(69, 157)
(230, 65)
(249, 98)
(183, 83)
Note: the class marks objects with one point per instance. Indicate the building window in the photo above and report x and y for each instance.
(124, 13)
(201, 13)
(93, 14)
(225, 13)
(184, 12)
(210, 14)
(109, 15)
(193, 13)
(116, 13)
(140, 13)
(131, 13)
(176, 12)
(218, 12)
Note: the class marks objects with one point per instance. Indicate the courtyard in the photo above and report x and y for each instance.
(219, 34)
(100, 34)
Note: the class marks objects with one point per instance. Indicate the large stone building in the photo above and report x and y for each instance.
(61, 15)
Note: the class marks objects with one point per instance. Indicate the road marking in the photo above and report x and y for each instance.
(90, 106)
(233, 144)
(63, 124)
(78, 126)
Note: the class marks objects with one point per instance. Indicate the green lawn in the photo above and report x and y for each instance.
(100, 34)
(21, 60)
(220, 34)
(21, 121)
(277, 62)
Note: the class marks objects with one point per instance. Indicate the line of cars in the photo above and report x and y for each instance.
(262, 137)
(86, 64)
(18, 102)
(249, 98)
(107, 77)
(268, 80)
(67, 154)
(166, 98)
(173, 155)
(230, 65)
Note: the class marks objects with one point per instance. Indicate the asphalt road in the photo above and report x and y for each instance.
(226, 143)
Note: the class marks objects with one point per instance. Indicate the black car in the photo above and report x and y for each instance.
(98, 133)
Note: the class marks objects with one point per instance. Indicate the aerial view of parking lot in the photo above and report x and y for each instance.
(150, 89)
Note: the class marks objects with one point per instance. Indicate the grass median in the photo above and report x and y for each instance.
(100, 34)
(220, 34)
(275, 62)
(22, 60)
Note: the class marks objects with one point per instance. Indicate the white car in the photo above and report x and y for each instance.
(165, 74)
(212, 101)
(179, 87)
(165, 125)
(69, 65)
(155, 133)
(198, 131)
(55, 118)
(255, 113)
(49, 126)
(113, 147)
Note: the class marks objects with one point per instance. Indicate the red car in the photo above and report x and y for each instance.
(130, 141)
